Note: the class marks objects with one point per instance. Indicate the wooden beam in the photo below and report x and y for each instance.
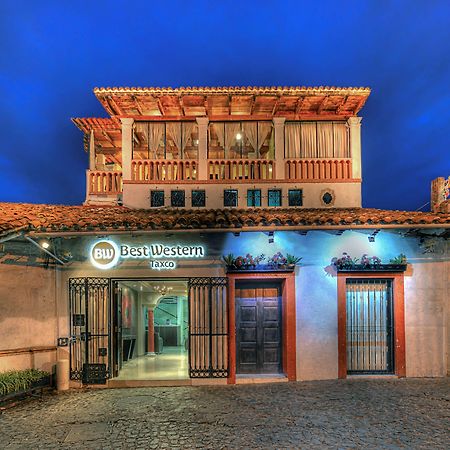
(227, 117)
(322, 105)
(115, 106)
(342, 105)
(138, 104)
(275, 105)
(205, 104)
(108, 137)
(299, 105)
(252, 106)
(359, 105)
(180, 102)
(160, 106)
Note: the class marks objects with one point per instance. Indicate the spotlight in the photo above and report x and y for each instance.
(236, 233)
(271, 237)
(371, 238)
(45, 244)
(239, 136)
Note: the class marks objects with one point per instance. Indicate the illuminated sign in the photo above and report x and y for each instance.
(105, 254)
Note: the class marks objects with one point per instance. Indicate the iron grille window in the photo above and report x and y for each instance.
(274, 197)
(177, 198)
(230, 197)
(254, 197)
(370, 332)
(295, 197)
(156, 199)
(198, 198)
(327, 198)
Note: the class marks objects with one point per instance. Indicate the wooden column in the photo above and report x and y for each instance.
(202, 172)
(151, 332)
(127, 147)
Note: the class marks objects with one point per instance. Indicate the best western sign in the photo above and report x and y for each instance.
(105, 254)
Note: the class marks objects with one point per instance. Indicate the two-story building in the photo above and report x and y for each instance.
(223, 240)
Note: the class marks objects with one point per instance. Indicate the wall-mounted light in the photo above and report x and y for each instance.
(271, 237)
(236, 233)
(239, 136)
(371, 238)
(45, 244)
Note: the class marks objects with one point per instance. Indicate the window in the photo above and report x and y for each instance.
(241, 140)
(165, 140)
(156, 199)
(274, 197)
(177, 198)
(254, 197)
(198, 198)
(295, 197)
(230, 197)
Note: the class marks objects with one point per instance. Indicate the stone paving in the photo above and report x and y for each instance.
(324, 414)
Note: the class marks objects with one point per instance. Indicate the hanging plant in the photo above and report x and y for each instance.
(347, 263)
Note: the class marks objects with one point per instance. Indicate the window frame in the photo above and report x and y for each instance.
(159, 192)
(253, 198)
(280, 198)
(235, 191)
(289, 196)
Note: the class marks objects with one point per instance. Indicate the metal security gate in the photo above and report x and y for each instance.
(90, 329)
(208, 328)
(369, 326)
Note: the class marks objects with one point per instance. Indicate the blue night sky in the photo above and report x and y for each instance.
(53, 53)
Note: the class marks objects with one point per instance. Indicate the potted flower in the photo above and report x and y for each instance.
(292, 260)
(349, 264)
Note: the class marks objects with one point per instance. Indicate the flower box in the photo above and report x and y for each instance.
(374, 268)
(262, 268)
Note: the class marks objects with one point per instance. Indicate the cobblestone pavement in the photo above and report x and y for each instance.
(325, 414)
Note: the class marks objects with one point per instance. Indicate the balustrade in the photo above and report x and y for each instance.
(319, 169)
(163, 170)
(104, 182)
(241, 169)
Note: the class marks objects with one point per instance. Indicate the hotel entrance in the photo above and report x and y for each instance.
(158, 329)
(151, 318)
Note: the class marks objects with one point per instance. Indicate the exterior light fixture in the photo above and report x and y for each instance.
(45, 244)
(271, 237)
(239, 136)
(236, 233)
(371, 238)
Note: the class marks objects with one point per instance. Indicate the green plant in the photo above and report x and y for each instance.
(292, 260)
(18, 380)
(400, 259)
(228, 259)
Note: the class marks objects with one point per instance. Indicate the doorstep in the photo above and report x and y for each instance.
(166, 383)
(261, 378)
(388, 376)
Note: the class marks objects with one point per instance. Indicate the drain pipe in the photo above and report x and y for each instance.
(10, 237)
(44, 250)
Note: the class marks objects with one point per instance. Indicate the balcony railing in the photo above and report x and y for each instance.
(319, 169)
(104, 182)
(163, 170)
(241, 169)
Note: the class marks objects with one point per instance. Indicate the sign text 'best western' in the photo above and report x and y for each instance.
(105, 254)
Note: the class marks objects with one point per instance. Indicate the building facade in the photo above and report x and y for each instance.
(223, 240)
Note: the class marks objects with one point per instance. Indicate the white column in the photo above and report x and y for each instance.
(91, 151)
(354, 124)
(127, 146)
(202, 173)
(278, 123)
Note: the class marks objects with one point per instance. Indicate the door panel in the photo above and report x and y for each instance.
(258, 328)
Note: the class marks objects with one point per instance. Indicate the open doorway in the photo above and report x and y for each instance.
(152, 336)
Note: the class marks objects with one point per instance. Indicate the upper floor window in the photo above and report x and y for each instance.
(254, 197)
(156, 199)
(198, 198)
(177, 198)
(165, 140)
(295, 197)
(274, 197)
(230, 197)
(237, 140)
(316, 140)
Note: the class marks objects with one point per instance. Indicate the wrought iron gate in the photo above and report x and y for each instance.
(90, 326)
(208, 328)
(369, 326)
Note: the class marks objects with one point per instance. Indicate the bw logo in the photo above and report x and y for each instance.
(104, 254)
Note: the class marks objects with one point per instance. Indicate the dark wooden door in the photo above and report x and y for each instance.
(258, 328)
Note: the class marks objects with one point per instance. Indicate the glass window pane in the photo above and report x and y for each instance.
(198, 198)
(177, 198)
(254, 197)
(295, 197)
(230, 197)
(274, 197)
(156, 199)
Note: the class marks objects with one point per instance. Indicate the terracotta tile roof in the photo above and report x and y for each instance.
(27, 217)
(244, 90)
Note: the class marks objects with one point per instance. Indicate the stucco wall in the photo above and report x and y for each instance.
(27, 316)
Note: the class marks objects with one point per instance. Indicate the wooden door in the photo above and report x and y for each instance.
(258, 328)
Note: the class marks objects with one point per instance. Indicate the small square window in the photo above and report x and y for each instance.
(254, 197)
(177, 198)
(295, 197)
(274, 197)
(230, 197)
(156, 198)
(198, 198)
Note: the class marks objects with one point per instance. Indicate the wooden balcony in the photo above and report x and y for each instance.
(241, 169)
(104, 182)
(163, 170)
(319, 169)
